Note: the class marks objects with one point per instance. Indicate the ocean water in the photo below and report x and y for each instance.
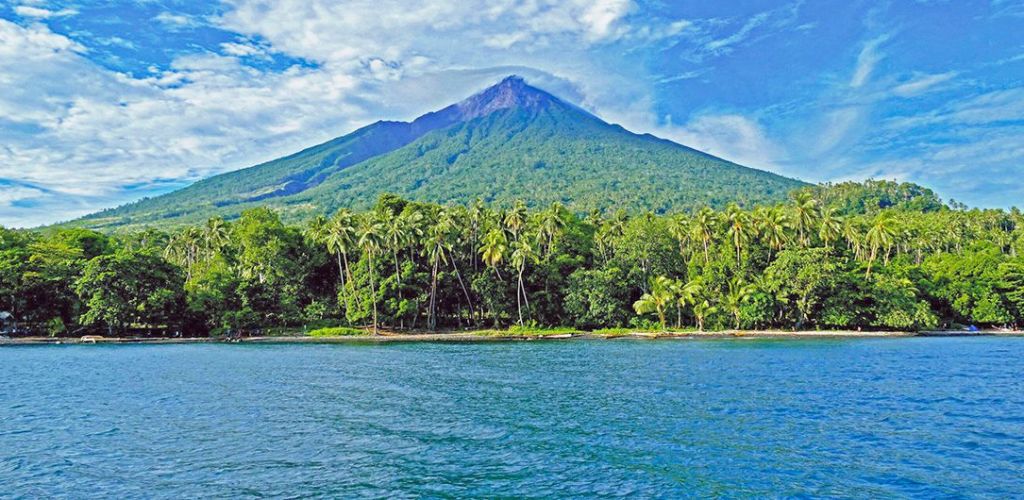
(910, 417)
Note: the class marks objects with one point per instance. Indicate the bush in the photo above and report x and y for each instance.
(338, 331)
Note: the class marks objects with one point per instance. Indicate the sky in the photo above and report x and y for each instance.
(103, 103)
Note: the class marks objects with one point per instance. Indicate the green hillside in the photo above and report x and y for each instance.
(510, 142)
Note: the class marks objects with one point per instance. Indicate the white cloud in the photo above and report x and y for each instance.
(111, 137)
(40, 13)
(174, 21)
(736, 138)
(922, 83)
(724, 43)
(867, 59)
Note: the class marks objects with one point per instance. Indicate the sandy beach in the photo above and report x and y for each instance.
(485, 336)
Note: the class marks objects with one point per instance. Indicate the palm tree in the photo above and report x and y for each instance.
(805, 209)
(522, 254)
(702, 229)
(702, 308)
(737, 295)
(515, 219)
(851, 233)
(685, 294)
(340, 238)
(740, 228)
(773, 224)
(434, 249)
(657, 300)
(370, 238)
(215, 235)
(881, 234)
(552, 222)
(679, 228)
(831, 227)
(493, 249)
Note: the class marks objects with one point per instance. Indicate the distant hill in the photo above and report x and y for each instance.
(510, 141)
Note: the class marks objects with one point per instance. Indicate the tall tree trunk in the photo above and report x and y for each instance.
(519, 288)
(472, 311)
(432, 311)
(373, 292)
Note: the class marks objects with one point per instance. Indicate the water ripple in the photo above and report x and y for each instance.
(850, 418)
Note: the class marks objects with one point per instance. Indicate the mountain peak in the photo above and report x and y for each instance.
(511, 92)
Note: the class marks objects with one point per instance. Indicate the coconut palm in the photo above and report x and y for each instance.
(493, 250)
(679, 228)
(370, 241)
(657, 300)
(702, 229)
(737, 295)
(831, 227)
(739, 228)
(552, 223)
(881, 234)
(215, 235)
(522, 254)
(515, 219)
(702, 308)
(805, 211)
(773, 224)
(684, 295)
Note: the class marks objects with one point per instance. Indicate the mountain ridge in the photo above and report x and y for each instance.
(452, 155)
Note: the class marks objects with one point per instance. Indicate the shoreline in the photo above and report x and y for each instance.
(478, 337)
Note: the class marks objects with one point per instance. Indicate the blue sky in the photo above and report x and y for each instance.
(105, 103)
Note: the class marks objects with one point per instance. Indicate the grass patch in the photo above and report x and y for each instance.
(337, 331)
(528, 331)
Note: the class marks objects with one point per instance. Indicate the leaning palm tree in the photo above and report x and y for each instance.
(657, 300)
(881, 234)
(522, 254)
(370, 241)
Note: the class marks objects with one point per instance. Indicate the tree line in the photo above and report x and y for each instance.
(873, 255)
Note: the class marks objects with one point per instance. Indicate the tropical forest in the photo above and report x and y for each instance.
(877, 255)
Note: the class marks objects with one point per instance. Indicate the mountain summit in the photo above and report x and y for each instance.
(510, 141)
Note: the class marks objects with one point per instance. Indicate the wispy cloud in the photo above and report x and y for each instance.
(723, 43)
(41, 13)
(922, 83)
(867, 59)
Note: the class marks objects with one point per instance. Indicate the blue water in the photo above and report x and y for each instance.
(862, 418)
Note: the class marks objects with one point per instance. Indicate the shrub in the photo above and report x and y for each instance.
(337, 331)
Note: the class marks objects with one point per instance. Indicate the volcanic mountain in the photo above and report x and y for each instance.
(511, 141)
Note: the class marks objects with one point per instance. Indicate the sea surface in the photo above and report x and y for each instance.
(868, 418)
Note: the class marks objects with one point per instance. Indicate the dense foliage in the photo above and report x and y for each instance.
(851, 262)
